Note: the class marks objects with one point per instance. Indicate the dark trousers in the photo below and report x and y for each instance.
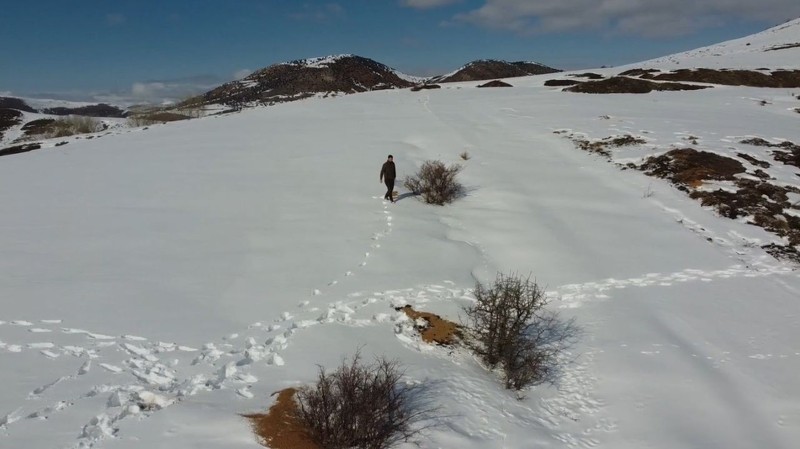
(390, 187)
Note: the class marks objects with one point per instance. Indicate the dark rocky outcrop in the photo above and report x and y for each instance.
(19, 149)
(40, 126)
(561, 83)
(789, 152)
(726, 77)
(783, 47)
(588, 75)
(9, 118)
(689, 167)
(496, 83)
(488, 69)
(625, 85)
(420, 87)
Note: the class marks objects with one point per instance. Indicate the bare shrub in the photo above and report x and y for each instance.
(152, 118)
(465, 156)
(362, 406)
(71, 125)
(510, 329)
(435, 182)
(135, 121)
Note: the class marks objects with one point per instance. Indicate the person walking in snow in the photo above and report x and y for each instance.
(387, 175)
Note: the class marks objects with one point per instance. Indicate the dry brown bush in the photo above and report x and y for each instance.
(74, 124)
(436, 182)
(510, 329)
(362, 406)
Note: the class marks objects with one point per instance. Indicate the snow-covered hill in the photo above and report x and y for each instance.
(775, 48)
(158, 283)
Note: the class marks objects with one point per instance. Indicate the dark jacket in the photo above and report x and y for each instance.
(387, 171)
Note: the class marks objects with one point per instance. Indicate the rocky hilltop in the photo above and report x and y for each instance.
(304, 78)
(487, 69)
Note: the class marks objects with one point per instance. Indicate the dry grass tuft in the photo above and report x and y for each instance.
(438, 331)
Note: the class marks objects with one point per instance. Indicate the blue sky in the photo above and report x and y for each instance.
(144, 50)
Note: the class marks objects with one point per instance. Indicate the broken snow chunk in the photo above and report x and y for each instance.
(147, 400)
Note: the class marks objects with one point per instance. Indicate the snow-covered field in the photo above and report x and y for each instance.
(159, 283)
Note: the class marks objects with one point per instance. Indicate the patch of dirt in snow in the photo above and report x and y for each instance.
(8, 118)
(280, 428)
(603, 146)
(747, 195)
(783, 47)
(689, 167)
(789, 153)
(19, 149)
(625, 85)
(437, 330)
(752, 78)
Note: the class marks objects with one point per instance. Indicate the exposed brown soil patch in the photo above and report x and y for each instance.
(561, 83)
(788, 157)
(438, 330)
(41, 126)
(762, 175)
(783, 252)
(639, 72)
(754, 161)
(625, 85)
(689, 167)
(603, 146)
(280, 428)
(762, 201)
(752, 78)
(8, 118)
(166, 117)
(420, 87)
(19, 149)
(496, 83)
(589, 75)
(789, 153)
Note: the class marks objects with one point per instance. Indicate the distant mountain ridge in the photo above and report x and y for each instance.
(345, 74)
(91, 110)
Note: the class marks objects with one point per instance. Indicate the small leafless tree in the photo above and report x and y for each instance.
(436, 182)
(509, 328)
(73, 124)
(362, 406)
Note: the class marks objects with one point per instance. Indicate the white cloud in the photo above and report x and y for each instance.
(161, 91)
(239, 74)
(633, 17)
(426, 4)
(141, 92)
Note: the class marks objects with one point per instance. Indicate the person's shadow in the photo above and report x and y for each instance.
(404, 196)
